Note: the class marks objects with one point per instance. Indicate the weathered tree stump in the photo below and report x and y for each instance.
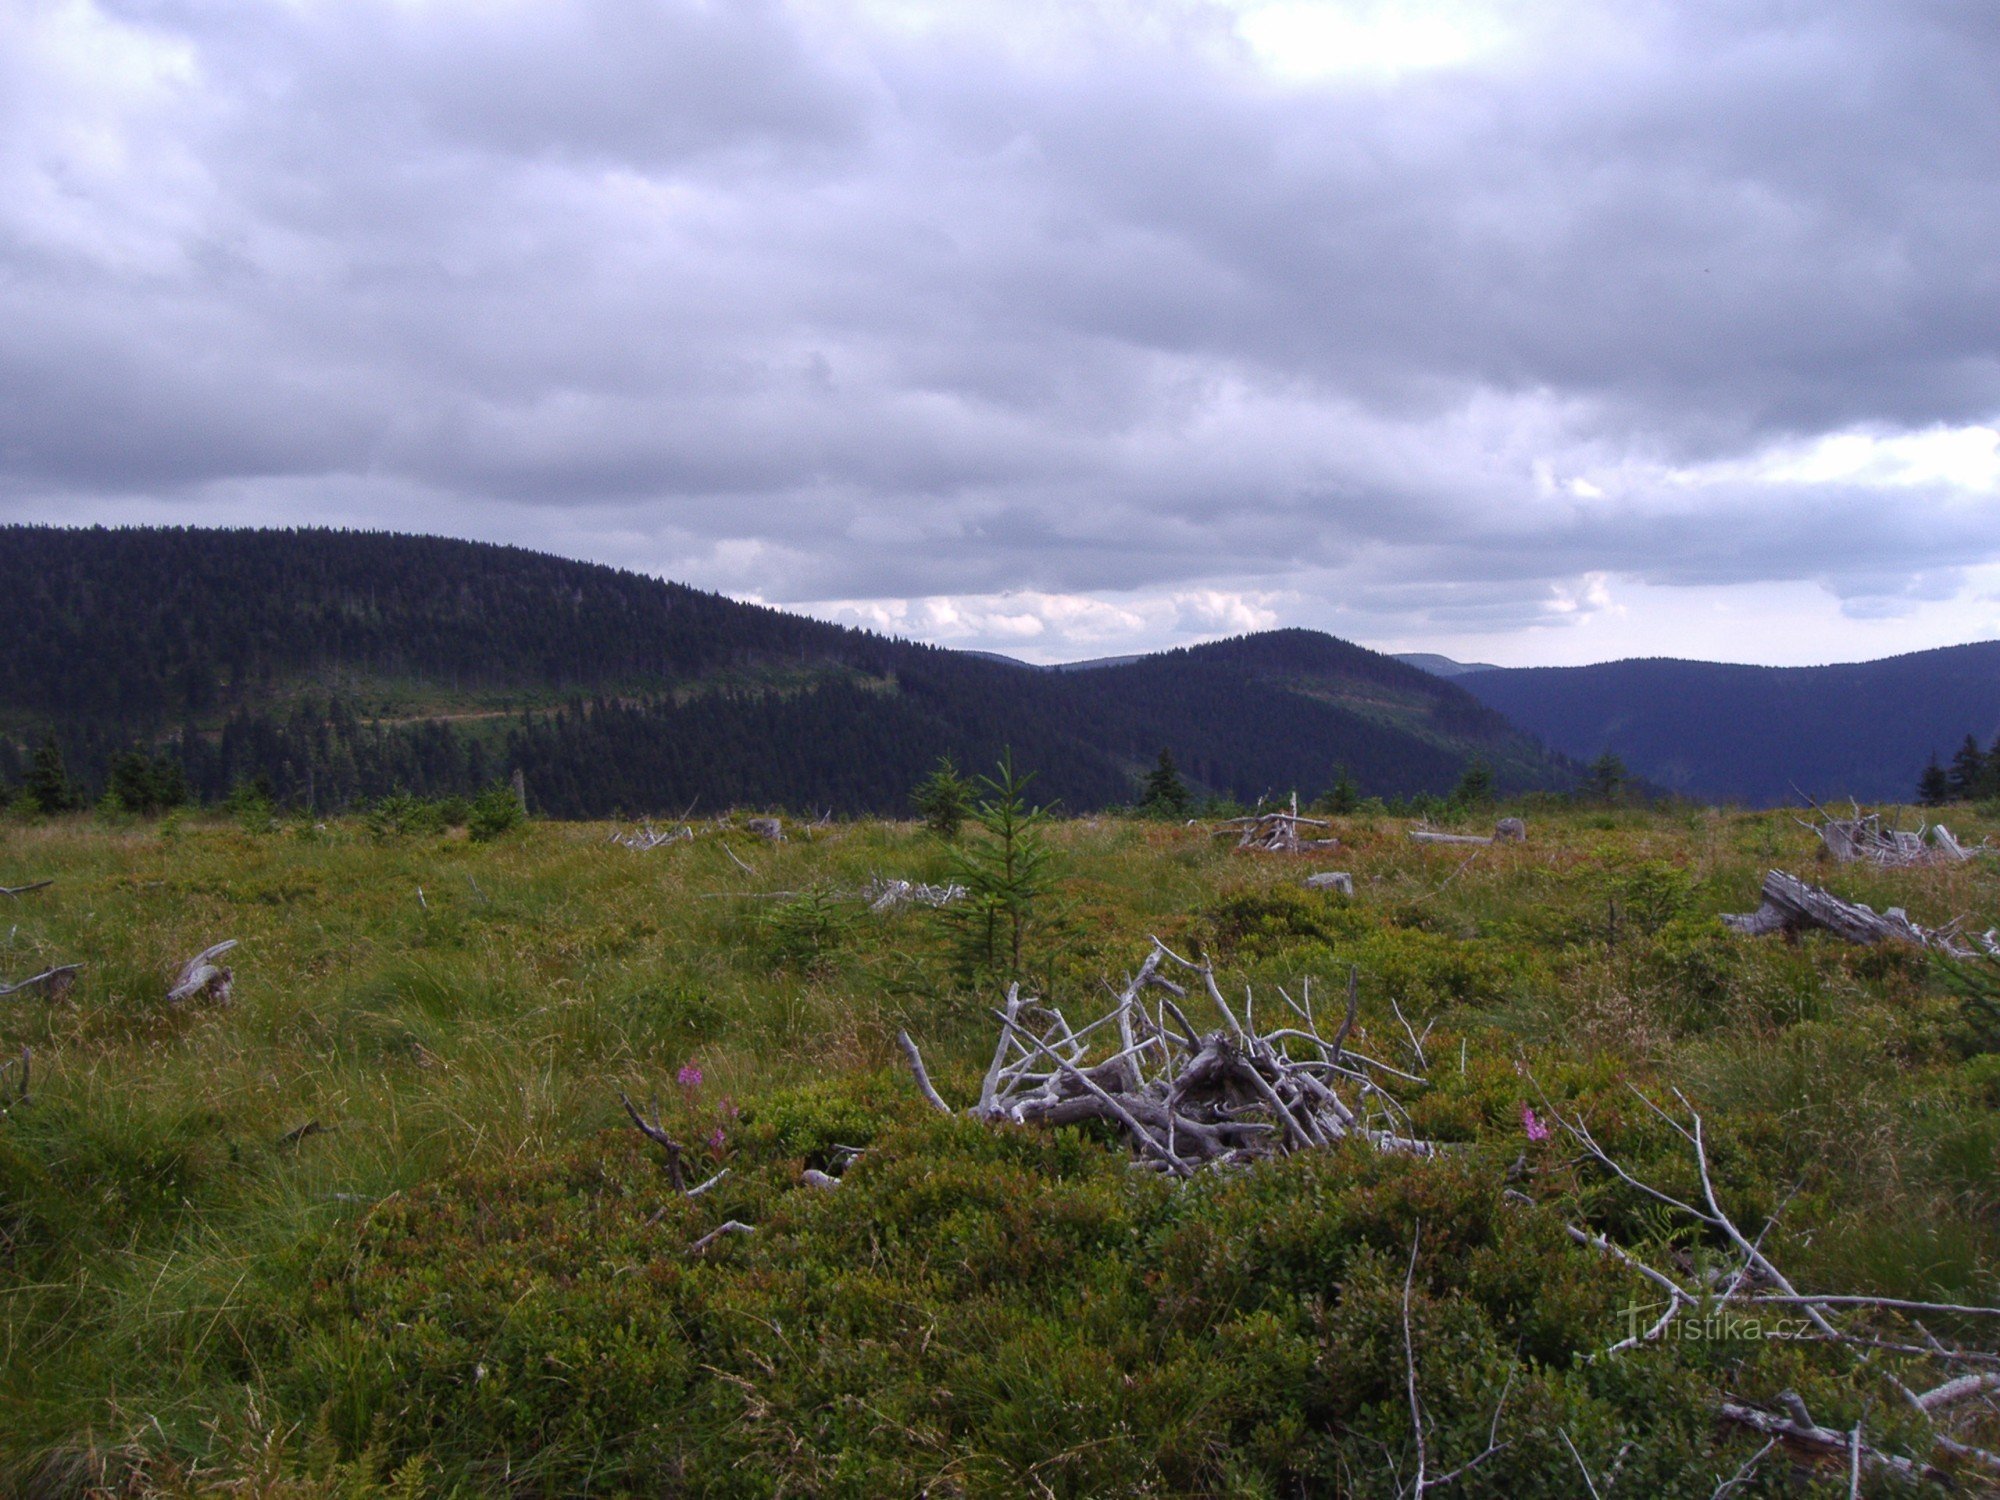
(1792, 906)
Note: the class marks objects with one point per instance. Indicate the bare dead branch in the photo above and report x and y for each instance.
(25, 1062)
(701, 1187)
(922, 1075)
(727, 1227)
(1957, 1390)
(1743, 1475)
(56, 982)
(653, 1131)
(1900, 1304)
(1410, 1364)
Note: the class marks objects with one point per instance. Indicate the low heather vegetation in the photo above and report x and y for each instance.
(381, 1226)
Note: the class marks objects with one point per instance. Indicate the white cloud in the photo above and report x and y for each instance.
(1046, 628)
(1376, 39)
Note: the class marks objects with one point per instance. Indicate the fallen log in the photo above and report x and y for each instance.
(1430, 836)
(1791, 906)
(1331, 880)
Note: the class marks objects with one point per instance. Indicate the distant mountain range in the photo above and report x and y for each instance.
(1442, 666)
(1759, 735)
(335, 666)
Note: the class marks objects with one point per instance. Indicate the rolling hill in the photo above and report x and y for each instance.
(336, 666)
(1760, 735)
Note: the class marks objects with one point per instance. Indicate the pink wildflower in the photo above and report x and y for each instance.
(717, 1141)
(1535, 1129)
(689, 1076)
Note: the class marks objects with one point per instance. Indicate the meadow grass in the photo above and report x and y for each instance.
(379, 1225)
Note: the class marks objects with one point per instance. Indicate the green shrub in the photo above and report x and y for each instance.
(1650, 895)
(807, 931)
(401, 814)
(1268, 923)
(251, 804)
(494, 812)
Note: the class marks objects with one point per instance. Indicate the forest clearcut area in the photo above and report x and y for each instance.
(415, 1189)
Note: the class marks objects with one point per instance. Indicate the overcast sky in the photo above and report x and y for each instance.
(1536, 332)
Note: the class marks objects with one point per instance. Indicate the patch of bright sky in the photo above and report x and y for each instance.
(1293, 40)
(1312, 39)
(1608, 618)
(1045, 628)
(1966, 458)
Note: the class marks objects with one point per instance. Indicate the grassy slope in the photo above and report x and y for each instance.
(475, 1270)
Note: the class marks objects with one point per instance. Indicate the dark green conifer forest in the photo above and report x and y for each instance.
(337, 667)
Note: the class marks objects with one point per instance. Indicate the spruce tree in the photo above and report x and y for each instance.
(1934, 786)
(1475, 785)
(1005, 874)
(1967, 772)
(1607, 775)
(1340, 799)
(944, 798)
(48, 785)
(1164, 794)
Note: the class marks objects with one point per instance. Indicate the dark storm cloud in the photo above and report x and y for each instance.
(817, 304)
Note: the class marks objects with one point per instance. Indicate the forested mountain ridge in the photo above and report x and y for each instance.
(149, 627)
(336, 666)
(1760, 735)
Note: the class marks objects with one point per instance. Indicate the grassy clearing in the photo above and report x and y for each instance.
(465, 1277)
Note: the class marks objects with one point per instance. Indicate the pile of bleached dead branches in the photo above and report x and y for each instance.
(645, 836)
(884, 895)
(1276, 832)
(1745, 1289)
(1865, 837)
(1183, 1098)
(1791, 906)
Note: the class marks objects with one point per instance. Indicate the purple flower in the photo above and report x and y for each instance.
(717, 1141)
(689, 1076)
(1536, 1130)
